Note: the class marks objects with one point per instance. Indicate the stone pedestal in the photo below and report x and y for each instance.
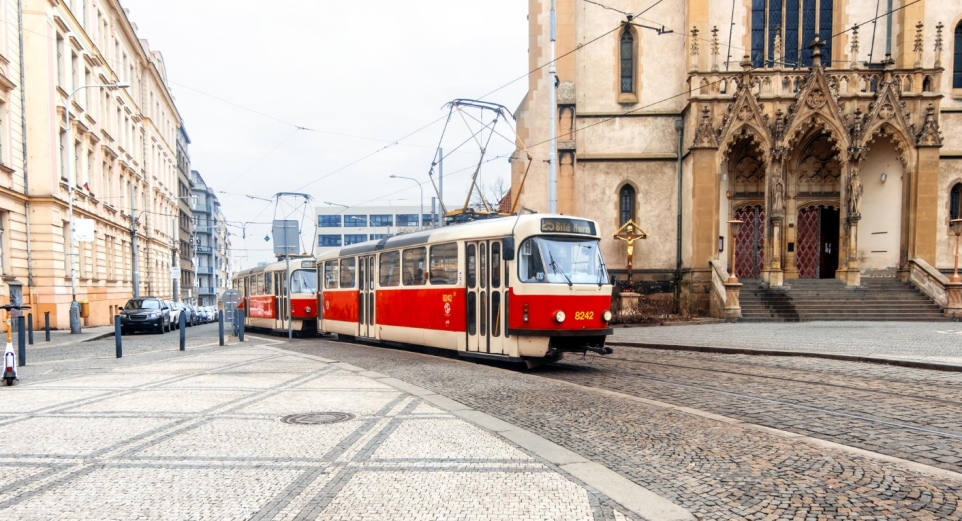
(629, 304)
(852, 272)
(953, 300)
(733, 308)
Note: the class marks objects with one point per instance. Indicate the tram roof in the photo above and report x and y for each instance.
(275, 266)
(481, 229)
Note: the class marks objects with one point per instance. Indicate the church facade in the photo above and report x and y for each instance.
(831, 129)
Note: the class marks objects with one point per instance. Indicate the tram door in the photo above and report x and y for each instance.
(485, 297)
(280, 292)
(365, 297)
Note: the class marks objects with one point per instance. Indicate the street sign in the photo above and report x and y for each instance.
(175, 273)
(286, 237)
(83, 230)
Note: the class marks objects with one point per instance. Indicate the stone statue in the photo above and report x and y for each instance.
(778, 203)
(854, 193)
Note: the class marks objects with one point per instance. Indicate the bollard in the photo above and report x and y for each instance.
(220, 325)
(241, 324)
(46, 324)
(118, 342)
(30, 328)
(21, 342)
(183, 332)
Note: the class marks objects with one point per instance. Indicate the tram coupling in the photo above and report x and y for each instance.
(601, 350)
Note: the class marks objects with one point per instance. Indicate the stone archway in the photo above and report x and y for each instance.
(743, 199)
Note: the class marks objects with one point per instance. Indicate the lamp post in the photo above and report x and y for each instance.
(336, 204)
(74, 307)
(956, 226)
(735, 226)
(421, 215)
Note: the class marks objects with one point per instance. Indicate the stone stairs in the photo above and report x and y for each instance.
(803, 300)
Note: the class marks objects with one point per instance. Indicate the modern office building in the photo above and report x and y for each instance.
(338, 226)
(206, 208)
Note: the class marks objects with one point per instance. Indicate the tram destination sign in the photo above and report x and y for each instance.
(560, 225)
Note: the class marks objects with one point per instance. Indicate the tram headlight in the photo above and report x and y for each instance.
(606, 316)
(559, 316)
(307, 309)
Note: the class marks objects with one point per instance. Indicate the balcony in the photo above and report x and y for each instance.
(205, 249)
(205, 269)
(204, 290)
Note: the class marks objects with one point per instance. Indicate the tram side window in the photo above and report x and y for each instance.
(530, 265)
(268, 287)
(389, 268)
(330, 275)
(347, 273)
(495, 264)
(257, 285)
(444, 264)
(413, 266)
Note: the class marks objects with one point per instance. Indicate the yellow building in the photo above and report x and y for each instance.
(124, 157)
(843, 161)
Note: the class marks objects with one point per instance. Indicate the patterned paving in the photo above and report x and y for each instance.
(199, 437)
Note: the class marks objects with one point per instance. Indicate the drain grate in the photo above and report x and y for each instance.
(317, 418)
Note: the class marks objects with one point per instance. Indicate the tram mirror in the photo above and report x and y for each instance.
(507, 252)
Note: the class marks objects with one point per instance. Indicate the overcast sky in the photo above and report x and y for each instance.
(375, 71)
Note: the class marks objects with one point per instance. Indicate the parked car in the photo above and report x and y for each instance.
(195, 315)
(188, 314)
(174, 312)
(145, 314)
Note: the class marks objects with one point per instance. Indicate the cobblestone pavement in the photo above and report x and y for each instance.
(196, 435)
(715, 469)
(924, 341)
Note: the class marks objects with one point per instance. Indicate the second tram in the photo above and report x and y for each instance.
(264, 295)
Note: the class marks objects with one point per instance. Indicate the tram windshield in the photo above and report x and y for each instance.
(556, 260)
(304, 281)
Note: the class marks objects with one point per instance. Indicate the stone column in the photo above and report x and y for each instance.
(733, 308)
(853, 273)
(776, 276)
(775, 215)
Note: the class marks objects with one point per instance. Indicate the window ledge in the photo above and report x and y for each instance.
(627, 98)
(956, 93)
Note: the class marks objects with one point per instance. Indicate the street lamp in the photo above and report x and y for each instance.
(736, 227)
(74, 307)
(336, 204)
(420, 215)
(956, 226)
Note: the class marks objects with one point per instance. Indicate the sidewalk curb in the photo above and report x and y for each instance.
(914, 364)
(625, 492)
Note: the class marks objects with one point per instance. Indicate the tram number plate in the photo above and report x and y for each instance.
(584, 315)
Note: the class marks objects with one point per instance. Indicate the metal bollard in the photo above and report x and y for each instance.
(118, 342)
(21, 342)
(46, 324)
(241, 324)
(30, 328)
(183, 332)
(220, 326)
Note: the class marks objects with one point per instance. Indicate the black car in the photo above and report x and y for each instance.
(145, 314)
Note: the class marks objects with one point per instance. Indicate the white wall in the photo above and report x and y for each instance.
(880, 227)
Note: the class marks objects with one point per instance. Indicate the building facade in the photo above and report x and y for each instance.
(211, 244)
(338, 227)
(122, 154)
(843, 159)
(184, 252)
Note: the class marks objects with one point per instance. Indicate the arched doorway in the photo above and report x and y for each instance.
(746, 195)
(815, 243)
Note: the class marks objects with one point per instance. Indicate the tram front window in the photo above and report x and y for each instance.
(558, 260)
(304, 281)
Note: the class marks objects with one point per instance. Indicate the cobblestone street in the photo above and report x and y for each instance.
(198, 435)
(771, 454)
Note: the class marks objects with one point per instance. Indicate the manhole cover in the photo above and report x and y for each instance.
(317, 418)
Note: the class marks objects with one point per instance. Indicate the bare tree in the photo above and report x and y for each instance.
(493, 193)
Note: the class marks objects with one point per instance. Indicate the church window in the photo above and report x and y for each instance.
(957, 69)
(627, 62)
(797, 21)
(626, 204)
(955, 202)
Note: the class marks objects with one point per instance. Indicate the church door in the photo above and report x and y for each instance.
(749, 245)
(817, 242)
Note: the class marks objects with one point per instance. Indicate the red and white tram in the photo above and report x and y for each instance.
(263, 296)
(520, 288)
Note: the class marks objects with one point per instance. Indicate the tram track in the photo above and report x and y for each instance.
(784, 379)
(784, 403)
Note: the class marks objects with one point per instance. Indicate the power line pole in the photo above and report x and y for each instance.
(440, 187)
(552, 164)
(133, 241)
